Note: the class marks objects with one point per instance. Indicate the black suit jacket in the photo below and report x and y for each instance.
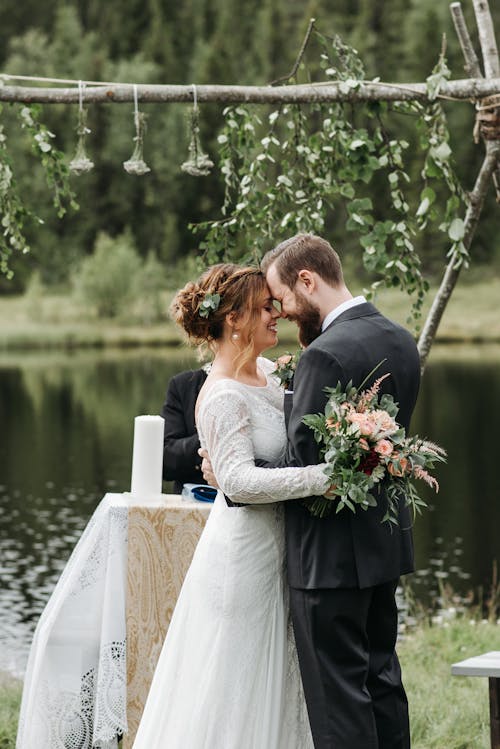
(181, 462)
(349, 550)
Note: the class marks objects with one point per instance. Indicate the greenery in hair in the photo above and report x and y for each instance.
(209, 304)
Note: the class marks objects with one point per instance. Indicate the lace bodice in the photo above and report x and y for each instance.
(238, 423)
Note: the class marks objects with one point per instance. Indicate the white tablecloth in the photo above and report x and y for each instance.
(75, 685)
(97, 642)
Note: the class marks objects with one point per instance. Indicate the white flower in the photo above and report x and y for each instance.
(136, 166)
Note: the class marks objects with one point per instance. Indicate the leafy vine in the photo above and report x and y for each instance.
(285, 172)
(13, 211)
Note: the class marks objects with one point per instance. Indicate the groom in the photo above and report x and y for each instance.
(343, 569)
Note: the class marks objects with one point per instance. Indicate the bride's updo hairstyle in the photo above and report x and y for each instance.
(239, 290)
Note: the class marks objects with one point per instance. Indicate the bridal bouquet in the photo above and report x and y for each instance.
(363, 445)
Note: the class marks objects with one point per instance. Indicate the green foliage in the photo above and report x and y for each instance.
(149, 288)
(33, 296)
(10, 703)
(14, 212)
(52, 160)
(199, 42)
(435, 141)
(107, 278)
(306, 163)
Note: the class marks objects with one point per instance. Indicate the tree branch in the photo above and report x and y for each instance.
(471, 66)
(487, 38)
(468, 88)
(297, 62)
(452, 272)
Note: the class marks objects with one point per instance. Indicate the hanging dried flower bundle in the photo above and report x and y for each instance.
(81, 163)
(136, 164)
(198, 163)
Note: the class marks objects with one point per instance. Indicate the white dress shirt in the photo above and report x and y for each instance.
(341, 308)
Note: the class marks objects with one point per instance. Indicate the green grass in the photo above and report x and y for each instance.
(446, 712)
(10, 700)
(57, 321)
(471, 314)
(50, 322)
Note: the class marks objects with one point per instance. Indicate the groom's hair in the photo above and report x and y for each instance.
(304, 252)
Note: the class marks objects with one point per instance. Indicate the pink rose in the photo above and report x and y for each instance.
(388, 422)
(362, 421)
(384, 448)
(367, 426)
(282, 361)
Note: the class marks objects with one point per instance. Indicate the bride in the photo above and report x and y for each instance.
(228, 675)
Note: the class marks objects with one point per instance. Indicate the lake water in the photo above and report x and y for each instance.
(67, 429)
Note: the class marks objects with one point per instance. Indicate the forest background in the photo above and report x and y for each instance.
(204, 41)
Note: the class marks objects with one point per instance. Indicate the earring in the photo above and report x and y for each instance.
(235, 336)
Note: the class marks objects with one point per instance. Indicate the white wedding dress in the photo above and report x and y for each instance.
(228, 674)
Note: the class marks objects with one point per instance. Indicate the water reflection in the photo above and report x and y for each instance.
(67, 422)
(457, 407)
(68, 428)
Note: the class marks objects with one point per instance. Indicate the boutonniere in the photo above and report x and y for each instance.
(286, 366)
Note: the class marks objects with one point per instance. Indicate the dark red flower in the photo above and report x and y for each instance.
(369, 462)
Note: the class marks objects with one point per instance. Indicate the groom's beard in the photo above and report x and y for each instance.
(308, 319)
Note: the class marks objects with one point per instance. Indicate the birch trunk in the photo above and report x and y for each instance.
(452, 272)
(486, 173)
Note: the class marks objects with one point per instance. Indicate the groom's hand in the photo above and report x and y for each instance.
(206, 468)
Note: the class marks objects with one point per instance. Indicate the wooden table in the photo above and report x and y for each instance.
(487, 664)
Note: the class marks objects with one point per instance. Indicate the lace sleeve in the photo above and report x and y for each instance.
(225, 431)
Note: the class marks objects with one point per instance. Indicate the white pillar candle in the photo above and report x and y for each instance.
(147, 459)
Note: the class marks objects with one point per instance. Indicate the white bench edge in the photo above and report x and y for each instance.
(487, 664)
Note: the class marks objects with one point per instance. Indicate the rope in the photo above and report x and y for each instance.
(39, 79)
(488, 118)
(136, 109)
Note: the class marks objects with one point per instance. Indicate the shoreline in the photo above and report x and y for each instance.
(57, 322)
(124, 343)
(9, 681)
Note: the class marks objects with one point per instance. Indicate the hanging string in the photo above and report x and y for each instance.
(42, 79)
(136, 108)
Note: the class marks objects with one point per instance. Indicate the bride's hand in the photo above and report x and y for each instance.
(330, 492)
(206, 468)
